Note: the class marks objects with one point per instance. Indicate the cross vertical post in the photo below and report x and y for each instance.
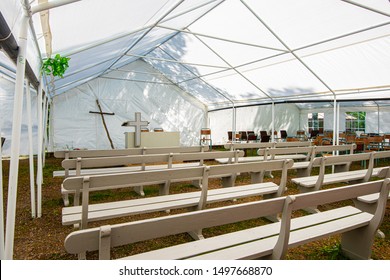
(138, 123)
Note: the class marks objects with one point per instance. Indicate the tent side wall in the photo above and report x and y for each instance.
(161, 103)
(254, 118)
(373, 124)
(7, 92)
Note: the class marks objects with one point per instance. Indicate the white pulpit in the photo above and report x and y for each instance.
(153, 139)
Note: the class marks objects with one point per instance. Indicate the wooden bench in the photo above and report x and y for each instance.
(304, 168)
(92, 166)
(261, 146)
(198, 199)
(314, 183)
(357, 228)
(368, 203)
(121, 152)
(128, 152)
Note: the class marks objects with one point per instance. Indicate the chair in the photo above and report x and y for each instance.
(244, 135)
(314, 133)
(292, 139)
(205, 137)
(230, 135)
(283, 134)
(252, 136)
(263, 133)
(264, 138)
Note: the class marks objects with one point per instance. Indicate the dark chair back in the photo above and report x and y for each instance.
(283, 134)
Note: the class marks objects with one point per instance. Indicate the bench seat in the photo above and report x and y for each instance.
(101, 211)
(94, 171)
(261, 158)
(342, 177)
(248, 243)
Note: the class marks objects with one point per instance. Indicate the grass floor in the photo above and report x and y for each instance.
(43, 238)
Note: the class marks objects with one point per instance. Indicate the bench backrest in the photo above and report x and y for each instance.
(292, 144)
(381, 154)
(105, 237)
(289, 151)
(259, 145)
(118, 180)
(335, 148)
(128, 152)
(147, 159)
(322, 162)
(264, 145)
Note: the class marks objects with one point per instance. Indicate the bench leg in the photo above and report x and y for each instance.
(273, 218)
(139, 190)
(65, 198)
(341, 168)
(369, 208)
(197, 183)
(357, 244)
(196, 235)
(303, 172)
(228, 181)
(313, 209)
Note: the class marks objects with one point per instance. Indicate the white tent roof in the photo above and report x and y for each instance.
(224, 52)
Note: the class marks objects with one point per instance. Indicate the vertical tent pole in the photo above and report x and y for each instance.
(30, 147)
(273, 122)
(234, 124)
(338, 126)
(45, 135)
(40, 145)
(1, 204)
(378, 118)
(334, 126)
(15, 140)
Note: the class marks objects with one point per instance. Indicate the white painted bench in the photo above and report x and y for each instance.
(304, 168)
(73, 154)
(261, 146)
(92, 166)
(368, 203)
(128, 152)
(198, 199)
(314, 183)
(357, 228)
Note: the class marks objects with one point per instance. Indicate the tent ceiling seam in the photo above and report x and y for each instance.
(288, 48)
(233, 68)
(366, 7)
(216, 90)
(174, 84)
(222, 39)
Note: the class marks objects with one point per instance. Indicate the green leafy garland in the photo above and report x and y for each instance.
(55, 66)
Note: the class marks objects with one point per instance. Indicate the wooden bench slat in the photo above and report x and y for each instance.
(260, 248)
(190, 249)
(104, 211)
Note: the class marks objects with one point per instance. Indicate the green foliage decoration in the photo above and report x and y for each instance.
(56, 66)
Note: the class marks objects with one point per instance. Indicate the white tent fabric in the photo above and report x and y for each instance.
(167, 107)
(223, 53)
(7, 88)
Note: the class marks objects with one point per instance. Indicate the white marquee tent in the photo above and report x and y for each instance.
(223, 64)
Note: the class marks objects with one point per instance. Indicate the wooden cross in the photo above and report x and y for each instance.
(137, 123)
(101, 113)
